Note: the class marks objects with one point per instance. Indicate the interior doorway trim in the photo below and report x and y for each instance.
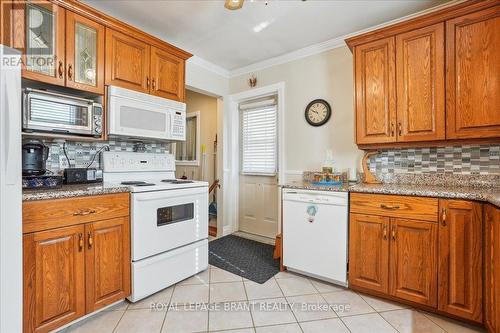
(232, 142)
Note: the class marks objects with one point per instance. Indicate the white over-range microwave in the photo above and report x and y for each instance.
(133, 114)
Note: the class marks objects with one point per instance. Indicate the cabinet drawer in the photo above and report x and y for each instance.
(49, 214)
(417, 208)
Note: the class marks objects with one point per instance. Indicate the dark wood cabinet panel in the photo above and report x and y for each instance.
(473, 73)
(492, 269)
(460, 259)
(369, 252)
(413, 261)
(167, 73)
(375, 92)
(107, 262)
(420, 84)
(127, 62)
(54, 278)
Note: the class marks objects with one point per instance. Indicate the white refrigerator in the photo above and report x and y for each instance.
(11, 278)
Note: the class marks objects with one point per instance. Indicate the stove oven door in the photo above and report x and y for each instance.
(165, 220)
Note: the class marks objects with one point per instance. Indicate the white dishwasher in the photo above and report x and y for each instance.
(315, 227)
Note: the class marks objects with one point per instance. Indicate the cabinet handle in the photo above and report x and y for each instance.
(84, 212)
(61, 69)
(385, 231)
(392, 129)
(393, 233)
(153, 84)
(80, 242)
(400, 129)
(90, 240)
(383, 206)
(443, 217)
(147, 81)
(70, 72)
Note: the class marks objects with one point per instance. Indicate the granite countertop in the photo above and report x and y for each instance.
(69, 191)
(491, 195)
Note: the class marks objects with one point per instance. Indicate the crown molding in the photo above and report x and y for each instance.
(291, 56)
(308, 50)
(209, 66)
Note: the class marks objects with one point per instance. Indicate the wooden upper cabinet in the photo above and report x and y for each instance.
(413, 264)
(127, 62)
(107, 262)
(54, 278)
(38, 30)
(84, 54)
(167, 75)
(369, 252)
(420, 84)
(460, 259)
(375, 92)
(473, 75)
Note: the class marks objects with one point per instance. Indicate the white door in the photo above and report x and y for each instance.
(258, 196)
(259, 205)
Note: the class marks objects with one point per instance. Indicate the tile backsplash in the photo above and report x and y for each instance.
(453, 160)
(81, 153)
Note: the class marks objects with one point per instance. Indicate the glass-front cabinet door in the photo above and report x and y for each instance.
(39, 33)
(84, 54)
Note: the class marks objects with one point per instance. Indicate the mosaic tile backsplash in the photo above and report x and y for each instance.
(81, 153)
(456, 160)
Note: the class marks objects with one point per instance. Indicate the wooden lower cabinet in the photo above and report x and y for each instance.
(107, 262)
(369, 252)
(492, 269)
(75, 268)
(54, 278)
(436, 263)
(394, 256)
(413, 261)
(460, 259)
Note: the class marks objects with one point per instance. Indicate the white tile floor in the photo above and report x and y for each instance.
(228, 303)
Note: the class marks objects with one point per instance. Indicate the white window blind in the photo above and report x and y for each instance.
(259, 137)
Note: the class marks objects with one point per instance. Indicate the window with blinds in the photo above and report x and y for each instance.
(259, 144)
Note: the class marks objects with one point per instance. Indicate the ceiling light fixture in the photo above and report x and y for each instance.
(233, 4)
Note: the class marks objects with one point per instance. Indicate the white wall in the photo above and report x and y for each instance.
(201, 79)
(328, 75)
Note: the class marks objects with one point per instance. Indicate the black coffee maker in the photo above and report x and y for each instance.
(35, 155)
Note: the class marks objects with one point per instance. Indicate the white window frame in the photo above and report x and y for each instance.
(195, 162)
(276, 156)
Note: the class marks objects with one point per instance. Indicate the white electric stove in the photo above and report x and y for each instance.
(169, 219)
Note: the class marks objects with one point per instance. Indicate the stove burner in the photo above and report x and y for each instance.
(177, 181)
(137, 183)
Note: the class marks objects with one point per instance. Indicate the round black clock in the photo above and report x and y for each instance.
(318, 112)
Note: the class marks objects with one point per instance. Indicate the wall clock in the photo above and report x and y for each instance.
(318, 112)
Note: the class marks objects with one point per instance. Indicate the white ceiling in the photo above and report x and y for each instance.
(227, 38)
